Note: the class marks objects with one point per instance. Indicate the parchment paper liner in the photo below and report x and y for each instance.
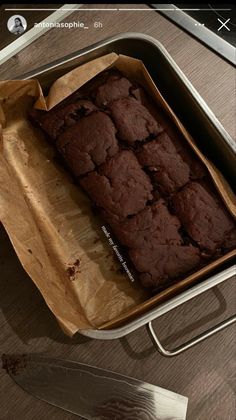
(49, 220)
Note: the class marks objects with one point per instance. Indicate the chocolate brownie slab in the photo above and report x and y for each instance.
(119, 186)
(86, 127)
(203, 216)
(55, 121)
(162, 263)
(133, 121)
(88, 143)
(150, 227)
(168, 168)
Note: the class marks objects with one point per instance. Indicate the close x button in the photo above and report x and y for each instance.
(223, 24)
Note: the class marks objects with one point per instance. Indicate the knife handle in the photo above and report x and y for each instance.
(188, 344)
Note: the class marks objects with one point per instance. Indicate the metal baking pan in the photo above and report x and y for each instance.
(199, 121)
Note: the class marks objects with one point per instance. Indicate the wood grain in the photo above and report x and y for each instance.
(204, 374)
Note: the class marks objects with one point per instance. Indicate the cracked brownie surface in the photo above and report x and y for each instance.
(115, 87)
(88, 143)
(133, 121)
(56, 121)
(150, 227)
(119, 186)
(163, 262)
(160, 157)
(196, 167)
(203, 216)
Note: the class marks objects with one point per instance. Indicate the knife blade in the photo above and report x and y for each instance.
(91, 392)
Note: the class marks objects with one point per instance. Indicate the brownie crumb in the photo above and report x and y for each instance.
(73, 269)
(77, 263)
(70, 271)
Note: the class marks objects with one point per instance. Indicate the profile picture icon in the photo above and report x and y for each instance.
(17, 24)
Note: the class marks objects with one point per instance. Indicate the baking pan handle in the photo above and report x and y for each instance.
(195, 340)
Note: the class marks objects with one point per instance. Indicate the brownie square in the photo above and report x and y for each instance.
(119, 186)
(57, 120)
(133, 121)
(114, 87)
(150, 227)
(162, 263)
(88, 143)
(197, 169)
(168, 168)
(203, 216)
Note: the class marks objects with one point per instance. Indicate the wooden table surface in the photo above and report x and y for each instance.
(206, 373)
